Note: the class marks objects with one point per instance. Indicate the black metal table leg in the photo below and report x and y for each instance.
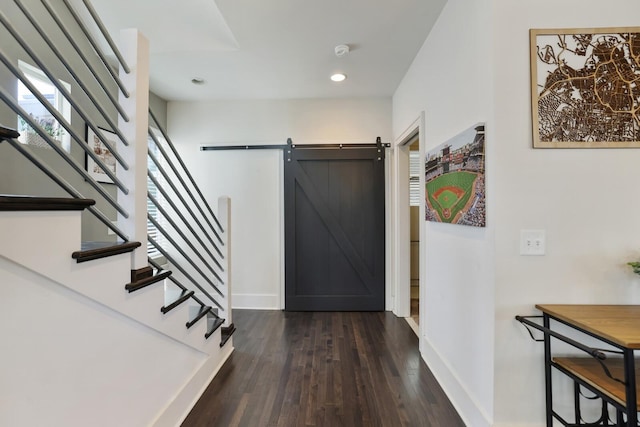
(630, 381)
(547, 372)
(576, 402)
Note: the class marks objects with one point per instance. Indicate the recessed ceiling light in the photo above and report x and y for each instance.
(197, 81)
(338, 77)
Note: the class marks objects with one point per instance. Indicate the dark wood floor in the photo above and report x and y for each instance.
(323, 369)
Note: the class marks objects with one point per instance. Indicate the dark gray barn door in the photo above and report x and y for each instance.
(334, 229)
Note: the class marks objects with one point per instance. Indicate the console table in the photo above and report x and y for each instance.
(608, 373)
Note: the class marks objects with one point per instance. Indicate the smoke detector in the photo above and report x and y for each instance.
(341, 50)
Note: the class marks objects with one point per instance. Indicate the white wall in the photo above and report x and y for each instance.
(450, 81)
(253, 179)
(584, 199)
(123, 374)
(77, 346)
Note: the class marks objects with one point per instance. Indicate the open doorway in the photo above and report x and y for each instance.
(415, 200)
(408, 246)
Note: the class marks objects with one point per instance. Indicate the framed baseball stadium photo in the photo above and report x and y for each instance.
(585, 87)
(454, 180)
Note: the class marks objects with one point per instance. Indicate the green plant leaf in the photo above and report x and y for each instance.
(635, 265)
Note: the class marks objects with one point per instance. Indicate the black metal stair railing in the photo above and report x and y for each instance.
(174, 209)
(41, 46)
(204, 308)
(187, 232)
(202, 200)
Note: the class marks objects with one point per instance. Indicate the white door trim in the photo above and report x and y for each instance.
(400, 245)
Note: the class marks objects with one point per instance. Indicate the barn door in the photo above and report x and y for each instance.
(334, 228)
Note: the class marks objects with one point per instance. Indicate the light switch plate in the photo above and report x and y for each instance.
(533, 242)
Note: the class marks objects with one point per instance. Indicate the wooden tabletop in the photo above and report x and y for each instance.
(617, 323)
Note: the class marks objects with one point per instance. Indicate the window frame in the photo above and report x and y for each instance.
(415, 170)
(152, 210)
(37, 77)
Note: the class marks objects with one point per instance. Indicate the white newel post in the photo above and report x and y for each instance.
(135, 51)
(224, 216)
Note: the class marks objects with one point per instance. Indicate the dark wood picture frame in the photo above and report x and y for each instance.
(100, 150)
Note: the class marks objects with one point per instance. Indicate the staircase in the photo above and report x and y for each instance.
(38, 258)
(99, 333)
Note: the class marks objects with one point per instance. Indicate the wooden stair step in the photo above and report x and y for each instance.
(142, 273)
(142, 283)
(183, 297)
(96, 250)
(32, 203)
(203, 311)
(227, 331)
(217, 322)
(8, 133)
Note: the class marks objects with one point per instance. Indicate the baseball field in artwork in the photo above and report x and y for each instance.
(450, 193)
(454, 177)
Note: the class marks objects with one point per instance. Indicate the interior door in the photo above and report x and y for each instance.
(334, 229)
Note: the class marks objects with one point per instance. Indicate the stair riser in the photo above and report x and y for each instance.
(43, 241)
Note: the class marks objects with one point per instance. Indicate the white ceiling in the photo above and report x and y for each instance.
(248, 49)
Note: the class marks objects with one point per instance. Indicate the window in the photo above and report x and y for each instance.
(414, 178)
(39, 112)
(152, 210)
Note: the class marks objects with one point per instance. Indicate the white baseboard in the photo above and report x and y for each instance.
(256, 301)
(412, 323)
(176, 412)
(470, 412)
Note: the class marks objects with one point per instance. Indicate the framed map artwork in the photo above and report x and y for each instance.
(585, 87)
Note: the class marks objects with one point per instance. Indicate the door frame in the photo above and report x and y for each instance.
(400, 214)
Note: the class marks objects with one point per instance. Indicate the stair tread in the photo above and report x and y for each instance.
(142, 273)
(201, 313)
(6, 133)
(134, 286)
(227, 331)
(33, 203)
(94, 250)
(216, 324)
(185, 295)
